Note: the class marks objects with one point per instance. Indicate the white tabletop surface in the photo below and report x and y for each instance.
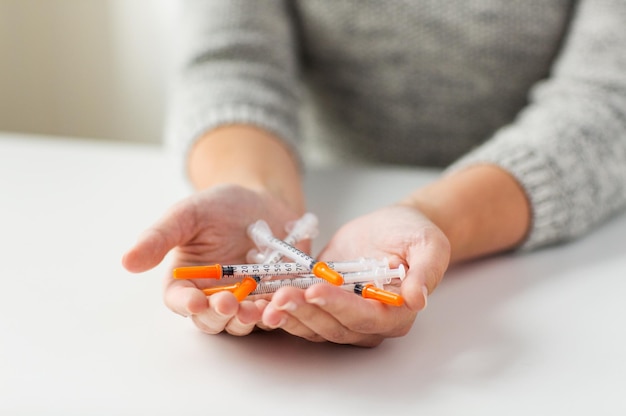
(540, 333)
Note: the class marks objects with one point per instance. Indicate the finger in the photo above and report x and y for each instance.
(222, 307)
(184, 298)
(427, 264)
(261, 304)
(309, 321)
(275, 318)
(244, 321)
(278, 314)
(361, 316)
(173, 229)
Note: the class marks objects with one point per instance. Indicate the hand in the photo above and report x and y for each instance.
(209, 227)
(324, 312)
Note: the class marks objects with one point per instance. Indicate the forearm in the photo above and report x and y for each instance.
(481, 209)
(250, 157)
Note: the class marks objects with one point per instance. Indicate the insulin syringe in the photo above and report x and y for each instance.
(367, 284)
(378, 277)
(304, 227)
(363, 289)
(262, 236)
(219, 271)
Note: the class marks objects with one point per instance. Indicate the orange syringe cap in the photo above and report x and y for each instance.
(323, 271)
(213, 271)
(370, 291)
(215, 289)
(246, 286)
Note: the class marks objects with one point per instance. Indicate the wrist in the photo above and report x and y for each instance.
(249, 157)
(482, 210)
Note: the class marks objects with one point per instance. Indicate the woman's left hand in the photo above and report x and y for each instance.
(323, 312)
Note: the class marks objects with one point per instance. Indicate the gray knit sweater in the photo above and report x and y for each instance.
(537, 87)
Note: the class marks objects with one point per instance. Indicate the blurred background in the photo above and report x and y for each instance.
(96, 69)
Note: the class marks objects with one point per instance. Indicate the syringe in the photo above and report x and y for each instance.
(365, 290)
(378, 277)
(360, 282)
(304, 227)
(219, 271)
(262, 236)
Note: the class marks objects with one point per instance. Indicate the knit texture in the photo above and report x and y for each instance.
(537, 87)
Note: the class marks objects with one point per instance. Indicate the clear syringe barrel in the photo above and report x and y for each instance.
(380, 275)
(262, 236)
(384, 275)
(219, 271)
(365, 290)
(358, 265)
(271, 286)
(274, 269)
(303, 228)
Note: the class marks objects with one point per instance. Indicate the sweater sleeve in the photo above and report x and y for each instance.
(238, 64)
(567, 148)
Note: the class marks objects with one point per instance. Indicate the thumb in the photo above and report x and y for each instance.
(426, 267)
(174, 229)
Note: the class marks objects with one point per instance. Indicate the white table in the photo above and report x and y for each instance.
(539, 333)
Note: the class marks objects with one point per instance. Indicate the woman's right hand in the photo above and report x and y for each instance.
(207, 227)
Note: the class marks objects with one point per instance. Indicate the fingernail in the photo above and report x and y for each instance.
(282, 322)
(317, 301)
(425, 293)
(220, 313)
(289, 307)
(185, 312)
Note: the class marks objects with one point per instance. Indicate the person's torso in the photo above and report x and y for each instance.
(424, 81)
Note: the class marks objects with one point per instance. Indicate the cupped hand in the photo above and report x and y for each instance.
(323, 312)
(209, 226)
